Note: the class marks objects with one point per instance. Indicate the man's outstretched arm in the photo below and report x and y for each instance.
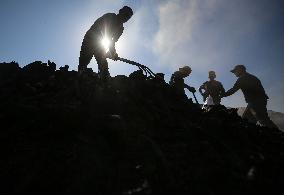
(233, 90)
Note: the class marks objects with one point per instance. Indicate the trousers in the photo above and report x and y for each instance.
(256, 111)
(88, 50)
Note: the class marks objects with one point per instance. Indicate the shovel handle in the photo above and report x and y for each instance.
(141, 66)
(195, 97)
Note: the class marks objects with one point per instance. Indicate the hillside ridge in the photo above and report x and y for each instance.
(66, 132)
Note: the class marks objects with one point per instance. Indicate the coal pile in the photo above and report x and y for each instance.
(65, 133)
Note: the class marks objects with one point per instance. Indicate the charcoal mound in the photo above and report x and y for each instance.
(69, 133)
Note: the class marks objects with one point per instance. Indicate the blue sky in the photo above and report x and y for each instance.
(162, 34)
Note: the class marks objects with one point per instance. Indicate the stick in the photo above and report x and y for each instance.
(195, 97)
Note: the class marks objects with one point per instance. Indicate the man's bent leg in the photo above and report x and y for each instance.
(85, 58)
(249, 115)
(262, 115)
(102, 67)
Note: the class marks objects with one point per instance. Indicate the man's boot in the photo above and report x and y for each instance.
(81, 69)
(104, 75)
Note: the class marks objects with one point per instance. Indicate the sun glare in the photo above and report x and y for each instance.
(106, 43)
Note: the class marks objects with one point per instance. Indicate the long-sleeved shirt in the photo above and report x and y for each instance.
(177, 82)
(251, 88)
(213, 88)
(108, 25)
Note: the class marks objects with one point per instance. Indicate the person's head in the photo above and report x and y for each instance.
(211, 75)
(125, 14)
(239, 70)
(186, 70)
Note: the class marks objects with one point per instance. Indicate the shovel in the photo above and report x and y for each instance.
(140, 66)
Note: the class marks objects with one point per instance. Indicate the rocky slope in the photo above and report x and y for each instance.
(65, 133)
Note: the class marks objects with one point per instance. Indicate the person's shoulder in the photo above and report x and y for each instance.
(206, 83)
(104, 17)
(109, 15)
(249, 75)
(173, 75)
(176, 75)
(252, 77)
(218, 82)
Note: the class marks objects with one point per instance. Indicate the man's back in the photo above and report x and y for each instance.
(107, 24)
(177, 81)
(251, 87)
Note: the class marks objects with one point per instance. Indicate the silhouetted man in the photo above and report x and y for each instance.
(103, 33)
(254, 95)
(213, 88)
(177, 80)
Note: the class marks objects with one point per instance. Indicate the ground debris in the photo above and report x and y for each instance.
(70, 133)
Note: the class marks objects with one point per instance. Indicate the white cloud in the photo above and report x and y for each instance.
(175, 28)
(203, 33)
(130, 42)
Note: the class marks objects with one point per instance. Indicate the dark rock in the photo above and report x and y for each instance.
(65, 133)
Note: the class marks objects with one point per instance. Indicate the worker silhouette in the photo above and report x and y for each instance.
(177, 81)
(213, 88)
(99, 40)
(254, 94)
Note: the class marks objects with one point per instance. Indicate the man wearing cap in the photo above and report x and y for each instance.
(254, 95)
(213, 88)
(177, 80)
(107, 28)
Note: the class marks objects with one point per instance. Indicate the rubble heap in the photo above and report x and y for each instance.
(65, 133)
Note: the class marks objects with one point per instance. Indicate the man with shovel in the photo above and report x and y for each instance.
(99, 40)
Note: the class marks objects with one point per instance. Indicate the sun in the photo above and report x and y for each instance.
(106, 43)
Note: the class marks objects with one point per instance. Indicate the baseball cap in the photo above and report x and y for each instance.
(239, 67)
